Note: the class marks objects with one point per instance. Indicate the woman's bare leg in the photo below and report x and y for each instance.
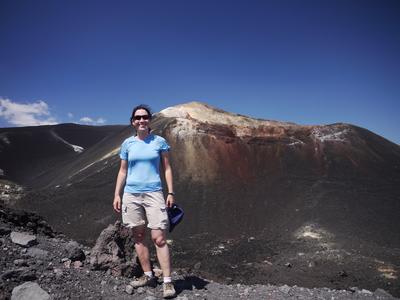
(141, 248)
(159, 238)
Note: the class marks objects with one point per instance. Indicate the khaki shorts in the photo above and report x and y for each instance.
(137, 208)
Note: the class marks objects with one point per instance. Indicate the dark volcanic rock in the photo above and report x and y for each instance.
(74, 252)
(26, 220)
(114, 250)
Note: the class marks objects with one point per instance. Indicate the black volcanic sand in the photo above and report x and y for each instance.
(313, 258)
(303, 262)
(54, 275)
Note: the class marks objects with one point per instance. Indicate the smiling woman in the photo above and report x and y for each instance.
(143, 201)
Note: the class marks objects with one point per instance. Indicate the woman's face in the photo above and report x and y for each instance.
(141, 120)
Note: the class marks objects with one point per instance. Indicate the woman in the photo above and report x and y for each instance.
(143, 200)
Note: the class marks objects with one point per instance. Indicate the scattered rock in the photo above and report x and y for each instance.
(157, 272)
(288, 265)
(74, 251)
(29, 290)
(20, 263)
(77, 264)
(37, 253)
(129, 289)
(113, 251)
(364, 291)
(67, 264)
(285, 289)
(23, 239)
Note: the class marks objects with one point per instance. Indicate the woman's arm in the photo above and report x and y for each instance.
(119, 185)
(168, 178)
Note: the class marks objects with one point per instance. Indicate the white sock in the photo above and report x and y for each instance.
(167, 279)
(149, 273)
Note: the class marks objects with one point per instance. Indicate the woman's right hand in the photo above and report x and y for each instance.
(117, 203)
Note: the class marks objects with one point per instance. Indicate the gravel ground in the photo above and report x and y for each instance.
(45, 262)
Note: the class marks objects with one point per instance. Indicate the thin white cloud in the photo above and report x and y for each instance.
(70, 115)
(26, 114)
(91, 121)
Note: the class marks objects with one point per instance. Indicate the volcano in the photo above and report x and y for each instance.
(244, 183)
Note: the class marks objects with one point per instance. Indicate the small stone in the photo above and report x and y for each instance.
(67, 264)
(150, 298)
(157, 272)
(74, 251)
(115, 287)
(197, 266)
(37, 253)
(29, 290)
(288, 265)
(140, 290)
(78, 264)
(23, 239)
(20, 262)
(285, 289)
(58, 272)
(364, 291)
(353, 289)
(128, 289)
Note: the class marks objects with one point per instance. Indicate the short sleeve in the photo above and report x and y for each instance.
(164, 147)
(123, 154)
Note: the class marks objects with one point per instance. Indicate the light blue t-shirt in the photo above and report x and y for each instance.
(143, 163)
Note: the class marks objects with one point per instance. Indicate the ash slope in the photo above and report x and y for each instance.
(327, 195)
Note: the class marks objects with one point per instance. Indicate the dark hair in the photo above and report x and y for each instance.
(141, 106)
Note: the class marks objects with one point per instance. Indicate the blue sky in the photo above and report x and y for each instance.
(308, 62)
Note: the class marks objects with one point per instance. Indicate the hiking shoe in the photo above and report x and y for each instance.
(144, 280)
(168, 290)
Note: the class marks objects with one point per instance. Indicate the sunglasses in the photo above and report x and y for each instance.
(138, 118)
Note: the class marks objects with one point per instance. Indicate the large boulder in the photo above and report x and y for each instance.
(114, 250)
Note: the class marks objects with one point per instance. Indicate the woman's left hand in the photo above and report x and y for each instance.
(170, 200)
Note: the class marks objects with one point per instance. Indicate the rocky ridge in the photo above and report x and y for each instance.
(39, 263)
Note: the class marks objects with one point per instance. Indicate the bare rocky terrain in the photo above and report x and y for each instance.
(38, 263)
